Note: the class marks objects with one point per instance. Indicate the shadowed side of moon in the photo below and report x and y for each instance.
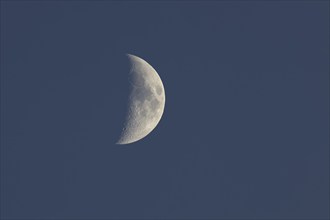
(119, 90)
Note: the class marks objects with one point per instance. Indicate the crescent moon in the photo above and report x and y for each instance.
(146, 101)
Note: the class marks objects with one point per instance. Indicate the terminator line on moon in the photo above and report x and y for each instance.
(146, 101)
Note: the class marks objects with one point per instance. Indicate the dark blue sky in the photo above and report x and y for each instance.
(245, 131)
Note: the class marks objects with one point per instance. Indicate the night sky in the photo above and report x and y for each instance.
(245, 130)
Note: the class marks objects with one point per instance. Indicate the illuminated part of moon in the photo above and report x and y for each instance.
(146, 101)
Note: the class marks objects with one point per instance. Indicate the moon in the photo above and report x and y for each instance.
(146, 101)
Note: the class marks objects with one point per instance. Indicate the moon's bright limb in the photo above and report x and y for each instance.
(146, 101)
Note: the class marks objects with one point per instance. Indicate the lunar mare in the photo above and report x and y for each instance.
(146, 101)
